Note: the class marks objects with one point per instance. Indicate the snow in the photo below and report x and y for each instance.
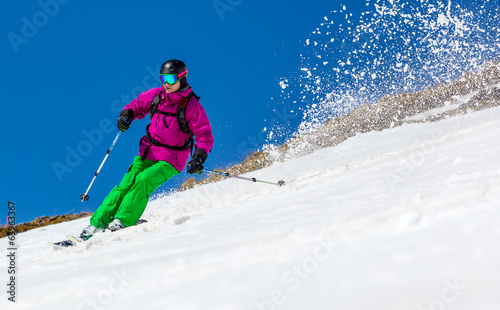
(405, 218)
(283, 84)
(431, 42)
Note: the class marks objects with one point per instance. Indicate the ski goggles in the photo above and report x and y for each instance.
(170, 78)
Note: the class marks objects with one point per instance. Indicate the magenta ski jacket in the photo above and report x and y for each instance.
(166, 130)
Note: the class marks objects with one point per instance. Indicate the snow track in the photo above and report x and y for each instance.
(406, 218)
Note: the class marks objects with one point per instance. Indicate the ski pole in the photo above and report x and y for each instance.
(279, 183)
(85, 197)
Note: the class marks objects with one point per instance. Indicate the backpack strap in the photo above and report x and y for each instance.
(181, 118)
(153, 107)
(181, 113)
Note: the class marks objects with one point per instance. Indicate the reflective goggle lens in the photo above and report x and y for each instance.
(171, 79)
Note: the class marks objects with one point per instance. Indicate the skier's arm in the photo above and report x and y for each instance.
(140, 105)
(200, 125)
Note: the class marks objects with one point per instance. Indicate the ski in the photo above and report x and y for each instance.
(62, 244)
(73, 241)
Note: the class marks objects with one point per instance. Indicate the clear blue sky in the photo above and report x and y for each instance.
(69, 66)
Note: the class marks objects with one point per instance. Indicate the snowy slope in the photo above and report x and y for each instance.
(406, 218)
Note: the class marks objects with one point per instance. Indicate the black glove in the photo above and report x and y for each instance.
(126, 117)
(196, 164)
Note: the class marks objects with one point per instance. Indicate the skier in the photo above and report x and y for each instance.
(176, 116)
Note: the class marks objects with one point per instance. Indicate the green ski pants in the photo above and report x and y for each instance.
(128, 200)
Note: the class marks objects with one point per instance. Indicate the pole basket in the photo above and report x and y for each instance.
(84, 197)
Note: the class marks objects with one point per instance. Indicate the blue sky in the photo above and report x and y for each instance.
(70, 66)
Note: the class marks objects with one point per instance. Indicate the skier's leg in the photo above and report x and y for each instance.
(106, 212)
(135, 201)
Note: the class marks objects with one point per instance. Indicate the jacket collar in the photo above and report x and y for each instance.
(176, 96)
